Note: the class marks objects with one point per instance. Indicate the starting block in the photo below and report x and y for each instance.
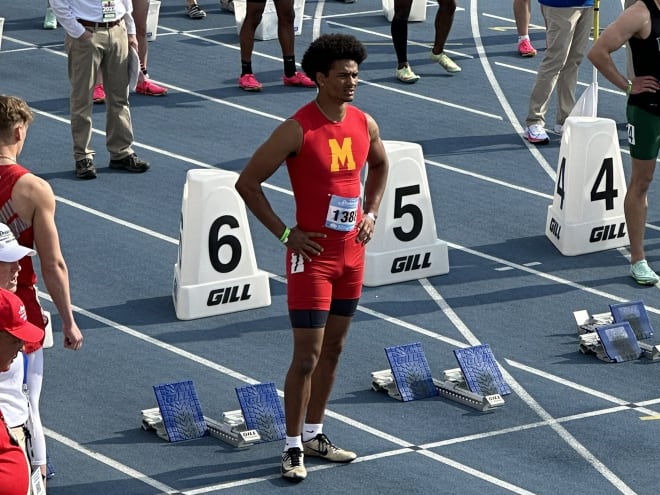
(411, 372)
(216, 271)
(232, 429)
(587, 214)
(409, 377)
(181, 411)
(179, 417)
(405, 244)
(262, 410)
(623, 334)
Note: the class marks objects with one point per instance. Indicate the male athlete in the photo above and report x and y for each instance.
(639, 26)
(325, 145)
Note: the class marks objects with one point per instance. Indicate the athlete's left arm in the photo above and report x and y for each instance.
(378, 167)
(36, 195)
(374, 187)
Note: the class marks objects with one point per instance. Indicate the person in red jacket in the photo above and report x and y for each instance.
(15, 331)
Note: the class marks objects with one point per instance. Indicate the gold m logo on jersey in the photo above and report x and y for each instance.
(342, 156)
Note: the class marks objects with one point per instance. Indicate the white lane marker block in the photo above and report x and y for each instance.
(417, 10)
(586, 214)
(216, 271)
(405, 244)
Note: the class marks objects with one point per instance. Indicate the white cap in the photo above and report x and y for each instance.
(10, 249)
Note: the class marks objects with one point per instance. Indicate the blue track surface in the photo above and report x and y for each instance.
(572, 423)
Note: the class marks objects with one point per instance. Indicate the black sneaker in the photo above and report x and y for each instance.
(85, 169)
(131, 163)
(293, 467)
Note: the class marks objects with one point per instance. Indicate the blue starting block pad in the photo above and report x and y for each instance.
(409, 378)
(634, 313)
(179, 417)
(411, 372)
(181, 411)
(619, 342)
(481, 371)
(262, 410)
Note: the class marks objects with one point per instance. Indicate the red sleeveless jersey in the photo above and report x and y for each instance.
(27, 278)
(9, 174)
(329, 164)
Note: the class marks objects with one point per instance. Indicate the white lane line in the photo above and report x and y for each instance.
(407, 446)
(512, 21)
(409, 93)
(562, 432)
(244, 378)
(485, 178)
(519, 428)
(318, 17)
(530, 71)
(118, 466)
(579, 388)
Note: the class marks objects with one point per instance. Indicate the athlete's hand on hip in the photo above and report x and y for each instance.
(302, 243)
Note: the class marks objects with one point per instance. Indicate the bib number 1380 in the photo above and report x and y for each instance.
(228, 243)
(602, 188)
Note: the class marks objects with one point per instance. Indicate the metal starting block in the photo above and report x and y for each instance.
(232, 429)
(650, 351)
(587, 323)
(453, 387)
(633, 312)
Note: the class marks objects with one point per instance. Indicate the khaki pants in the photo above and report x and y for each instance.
(567, 34)
(106, 51)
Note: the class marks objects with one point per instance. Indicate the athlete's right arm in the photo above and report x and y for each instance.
(634, 21)
(284, 141)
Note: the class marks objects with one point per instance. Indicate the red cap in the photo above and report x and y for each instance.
(13, 319)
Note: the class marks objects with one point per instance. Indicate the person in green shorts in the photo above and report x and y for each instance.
(639, 26)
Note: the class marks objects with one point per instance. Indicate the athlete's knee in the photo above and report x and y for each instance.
(304, 365)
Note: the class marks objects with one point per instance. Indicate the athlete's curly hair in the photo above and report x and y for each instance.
(327, 49)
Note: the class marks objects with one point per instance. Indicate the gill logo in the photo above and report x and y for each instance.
(342, 156)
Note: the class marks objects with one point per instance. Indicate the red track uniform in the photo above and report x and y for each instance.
(27, 278)
(325, 177)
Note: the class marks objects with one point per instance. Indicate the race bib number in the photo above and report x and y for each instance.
(631, 134)
(342, 213)
(37, 482)
(108, 8)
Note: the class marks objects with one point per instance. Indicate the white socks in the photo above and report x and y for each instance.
(310, 430)
(520, 38)
(292, 442)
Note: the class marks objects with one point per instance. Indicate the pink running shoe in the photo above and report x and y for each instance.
(248, 82)
(149, 88)
(526, 49)
(98, 95)
(298, 79)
